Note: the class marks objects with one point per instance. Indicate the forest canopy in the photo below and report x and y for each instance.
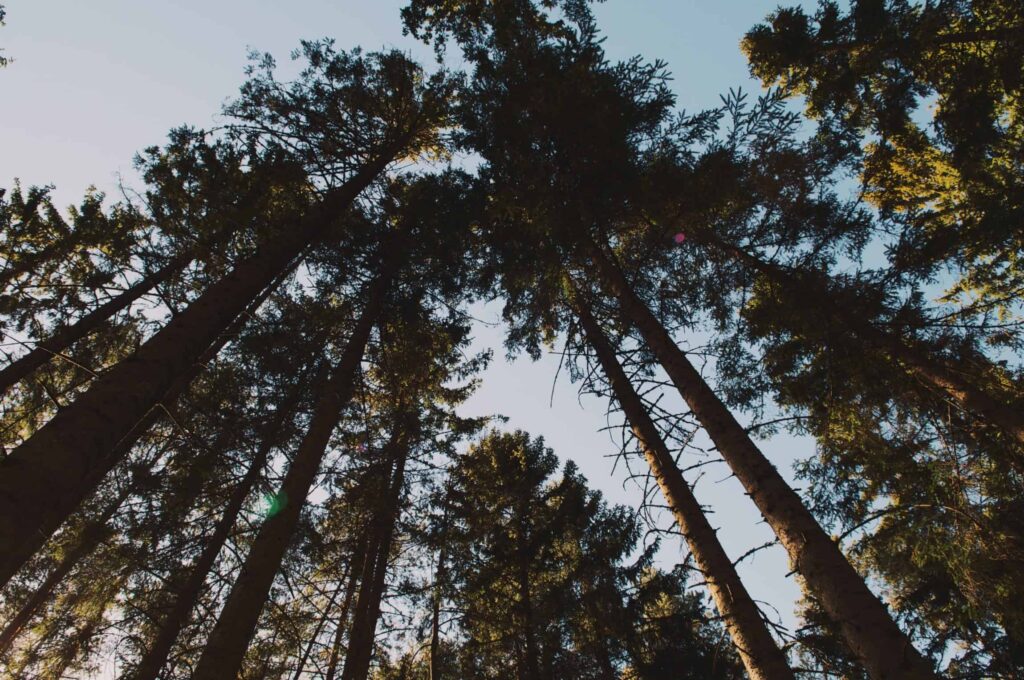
(233, 441)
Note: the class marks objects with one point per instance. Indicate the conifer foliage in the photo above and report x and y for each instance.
(232, 430)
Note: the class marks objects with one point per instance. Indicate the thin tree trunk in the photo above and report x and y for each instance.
(760, 654)
(63, 338)
(44, 479)
(225, 649)
(531, 669)
(435, 638)
(869, 630)
(371, 591)
(170, 625)
(359, 557)
(12, 560)
(301, 665)
(440, 576)
(916, 359)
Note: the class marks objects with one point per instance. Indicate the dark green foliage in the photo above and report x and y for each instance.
(4, 61)
(951, 178)
(859, 319)
(541, 579)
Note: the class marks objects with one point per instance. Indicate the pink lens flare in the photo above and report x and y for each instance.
(679, 238)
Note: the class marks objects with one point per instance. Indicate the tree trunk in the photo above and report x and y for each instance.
(869, 630)
(435, 638)
(371, 591)
(91, 537)
(225, 649)
(170, 625)
(62, 338)
(359, 557)
(530, 668)
(301, 665)
(435, 613)
(944, 378)
(13, 559)
(760, 655)
(44, 479)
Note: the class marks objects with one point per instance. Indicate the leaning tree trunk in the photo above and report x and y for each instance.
(187, 595)
(8, 570)
(43, 480)
(864, 621)
(91, 537)
(62, 338)
(945, 379)
(760, 655)
(916, 359)
(355, 569)
(12, 560)
(371, 590)
(300, 667)
(225, 649)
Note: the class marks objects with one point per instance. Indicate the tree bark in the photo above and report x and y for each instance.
(170, 625)
(371, 591)
(64, 337)
(530, 669)
(225, 649)
(91, 537)
(44, 479)
(760, 654)
(440, 574)
(864, 621)
(14, 559)
(359, 557)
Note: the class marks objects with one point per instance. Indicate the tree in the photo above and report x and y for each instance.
(868, 75)
(761, 656)
(47, 476)
(228, 641)
(4, 61)
(589, 186)
(537, 576)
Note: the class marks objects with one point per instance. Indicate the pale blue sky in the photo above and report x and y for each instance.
(94, 82)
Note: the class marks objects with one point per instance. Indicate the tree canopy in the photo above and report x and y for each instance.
(233, 439)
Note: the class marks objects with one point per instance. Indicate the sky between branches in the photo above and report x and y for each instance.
(94, 82)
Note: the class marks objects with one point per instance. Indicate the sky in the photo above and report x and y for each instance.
(92, 83)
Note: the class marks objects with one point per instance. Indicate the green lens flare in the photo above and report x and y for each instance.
(274, 503)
